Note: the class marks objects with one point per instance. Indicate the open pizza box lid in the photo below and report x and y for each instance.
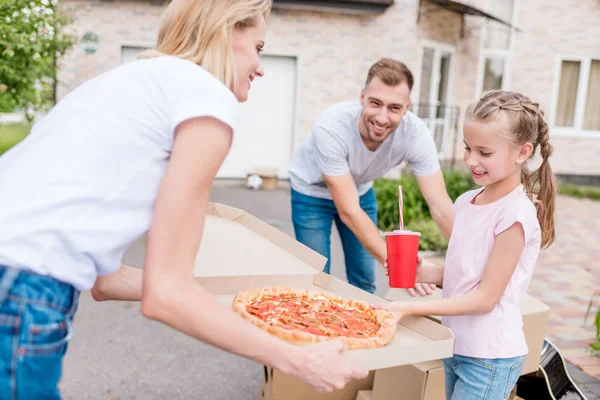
(239, 251)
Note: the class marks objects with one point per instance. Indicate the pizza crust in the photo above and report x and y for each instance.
(384, 318)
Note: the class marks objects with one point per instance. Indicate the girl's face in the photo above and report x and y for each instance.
(489, 155)
(247, 44)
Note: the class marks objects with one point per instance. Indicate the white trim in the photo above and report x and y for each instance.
(438, 45)
(496, 53)
(555, 88)
(439, 49)
(582, 89)
(506, 54)
(507, 83)
(416, 92)
(573, 133)
(480, 65)
(120, 46)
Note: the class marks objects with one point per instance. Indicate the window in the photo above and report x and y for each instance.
(496, 45)
(435, 92)
(577, 101)
(493, 73)
(129, 53)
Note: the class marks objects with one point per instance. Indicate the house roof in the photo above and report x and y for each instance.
(351, 6)
(462, 9)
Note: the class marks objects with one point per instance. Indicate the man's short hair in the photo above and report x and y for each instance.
(391, 72)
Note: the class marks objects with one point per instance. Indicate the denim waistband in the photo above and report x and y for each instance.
(20, 285)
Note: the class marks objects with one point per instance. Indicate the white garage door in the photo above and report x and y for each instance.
(265, 130)
(265, 126)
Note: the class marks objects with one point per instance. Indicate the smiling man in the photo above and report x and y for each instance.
(351, 145)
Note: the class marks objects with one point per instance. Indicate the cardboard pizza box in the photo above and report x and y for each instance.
(364, 395)
(535, 322)
(421, 381)
(239, 251)
(279, 386)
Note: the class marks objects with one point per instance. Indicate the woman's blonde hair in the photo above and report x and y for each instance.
(526, 124)
(200, 31)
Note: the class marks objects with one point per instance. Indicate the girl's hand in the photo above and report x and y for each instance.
(400, 309)
(419, 268)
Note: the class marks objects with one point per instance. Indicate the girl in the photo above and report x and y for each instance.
(136, 148)
(496, 239)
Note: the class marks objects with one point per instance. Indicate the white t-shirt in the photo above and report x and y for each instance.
(80, 189)
(335, 147)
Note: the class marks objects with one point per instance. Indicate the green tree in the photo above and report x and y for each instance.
(31, 41)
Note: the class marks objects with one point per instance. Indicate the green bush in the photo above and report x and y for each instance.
(416, 211)
(431, 237)
(596, 344)
(415, 206)
(580, 192)
(11, 134)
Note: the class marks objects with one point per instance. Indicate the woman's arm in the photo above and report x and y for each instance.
(496, 276)
(170, 293)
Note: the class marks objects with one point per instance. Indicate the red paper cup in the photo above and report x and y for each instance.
(402, 253)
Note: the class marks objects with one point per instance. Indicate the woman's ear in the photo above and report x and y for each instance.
(525, 152)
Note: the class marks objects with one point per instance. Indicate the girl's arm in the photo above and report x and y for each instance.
(429, 274)
(496, 276)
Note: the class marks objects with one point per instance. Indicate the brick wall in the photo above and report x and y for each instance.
(335, 50)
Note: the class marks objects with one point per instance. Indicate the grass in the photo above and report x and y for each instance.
(580, 192)
(11, 134)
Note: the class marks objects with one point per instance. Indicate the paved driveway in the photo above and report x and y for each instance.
(117, 354)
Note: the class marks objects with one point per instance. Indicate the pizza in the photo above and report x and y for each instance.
(303, 317)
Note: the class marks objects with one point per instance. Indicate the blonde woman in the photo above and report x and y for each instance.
(132, 150)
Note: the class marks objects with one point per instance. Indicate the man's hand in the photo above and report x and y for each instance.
(347, 202)
(424, 289)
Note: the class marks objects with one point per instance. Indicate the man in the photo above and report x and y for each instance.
(352, 144)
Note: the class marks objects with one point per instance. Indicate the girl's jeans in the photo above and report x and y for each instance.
(470, 378)
(36, 323)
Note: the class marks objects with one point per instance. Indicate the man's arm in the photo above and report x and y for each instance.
(125, 284)
(435, 194)
(346, 199)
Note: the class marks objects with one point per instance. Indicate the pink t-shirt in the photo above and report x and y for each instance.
(499, 333)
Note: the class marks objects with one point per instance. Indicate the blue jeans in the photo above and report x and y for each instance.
(470, 378)
(36, 323)
(313, 218)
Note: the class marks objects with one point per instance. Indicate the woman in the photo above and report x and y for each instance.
(134, 149)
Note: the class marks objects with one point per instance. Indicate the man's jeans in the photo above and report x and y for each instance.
(313, 218)
(36, 324)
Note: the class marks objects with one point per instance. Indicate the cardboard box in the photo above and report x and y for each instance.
(279, 386)
(421, 381)
(364, 395)
(535, 322)
(239, 251)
